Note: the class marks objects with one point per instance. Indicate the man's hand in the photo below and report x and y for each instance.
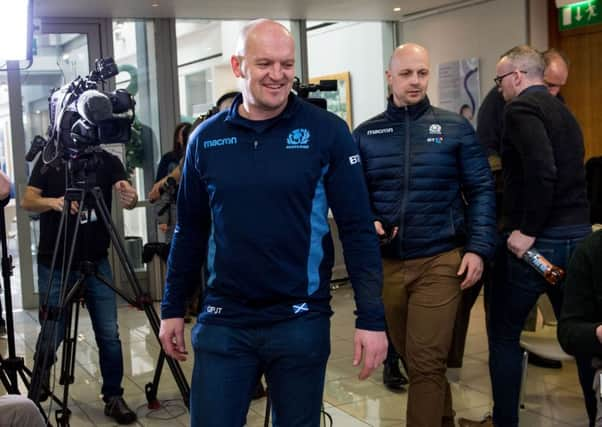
(380, 231)
(371, 346)
(171, 335)
(164, 228)
(127, 194)
(57, 203)
(155, 192)
(472, 266)
(519, 243)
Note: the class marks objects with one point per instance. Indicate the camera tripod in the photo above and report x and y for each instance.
(88, 196)
(11, 366)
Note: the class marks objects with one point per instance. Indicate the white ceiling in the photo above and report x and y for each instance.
(237, 9)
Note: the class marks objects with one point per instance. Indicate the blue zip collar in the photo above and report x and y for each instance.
(233, 117)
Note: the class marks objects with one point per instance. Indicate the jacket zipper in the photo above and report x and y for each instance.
(406, 179)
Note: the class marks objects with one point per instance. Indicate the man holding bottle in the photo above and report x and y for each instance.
(545, 208)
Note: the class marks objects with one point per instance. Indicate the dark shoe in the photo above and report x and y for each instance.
(542, 362)
(393, 379)
(117, 409)
(259, 391)
(465, 422)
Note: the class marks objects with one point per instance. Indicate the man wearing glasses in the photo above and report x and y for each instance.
(557, 71)
(489, 132)
(489, 127)
(545, 206)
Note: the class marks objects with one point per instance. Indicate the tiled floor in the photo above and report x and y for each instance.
(552, 397)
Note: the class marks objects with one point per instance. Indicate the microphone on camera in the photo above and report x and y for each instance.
(94, 106)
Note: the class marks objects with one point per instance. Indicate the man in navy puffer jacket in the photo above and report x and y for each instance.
(433, 202)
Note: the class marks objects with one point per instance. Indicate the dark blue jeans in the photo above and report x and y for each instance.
(229, 361)
(102, 307)
(516, 288)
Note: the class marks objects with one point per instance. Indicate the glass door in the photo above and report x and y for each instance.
(64, 51)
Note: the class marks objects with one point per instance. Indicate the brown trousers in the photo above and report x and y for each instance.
(421, 298)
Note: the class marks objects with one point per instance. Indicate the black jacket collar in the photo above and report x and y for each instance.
(414, 111)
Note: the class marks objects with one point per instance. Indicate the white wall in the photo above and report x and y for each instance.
(538, 24)
(356, 47)
(484, 31)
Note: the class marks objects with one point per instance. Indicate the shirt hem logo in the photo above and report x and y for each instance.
(300, 308)
(213, 310)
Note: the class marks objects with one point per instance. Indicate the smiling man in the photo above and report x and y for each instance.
(256, 186)
(421, 164)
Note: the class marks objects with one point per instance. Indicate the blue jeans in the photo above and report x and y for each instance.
(515, 291)
(102, 307)
(229, 361)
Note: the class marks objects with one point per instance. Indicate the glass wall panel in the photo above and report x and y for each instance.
(133, 44)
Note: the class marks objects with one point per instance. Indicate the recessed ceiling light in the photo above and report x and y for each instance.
(397, 9)
(155, 5)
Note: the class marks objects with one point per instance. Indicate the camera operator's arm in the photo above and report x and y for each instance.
(127, 194)
(34, 201)
(155, 192)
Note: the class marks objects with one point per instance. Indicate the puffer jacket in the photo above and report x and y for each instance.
(427, 174)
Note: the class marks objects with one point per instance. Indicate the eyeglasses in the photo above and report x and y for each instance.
(552, 85)
(498, 79)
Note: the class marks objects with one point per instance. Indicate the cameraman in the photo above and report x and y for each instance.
(45, 195)
(223, 103)
(166, 207)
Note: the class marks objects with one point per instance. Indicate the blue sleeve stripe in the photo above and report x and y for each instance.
(211, 244)
(319, 228)
(211, 256)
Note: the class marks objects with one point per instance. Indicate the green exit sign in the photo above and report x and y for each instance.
(579, 14)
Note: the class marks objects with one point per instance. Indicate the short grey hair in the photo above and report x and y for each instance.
(526, 59)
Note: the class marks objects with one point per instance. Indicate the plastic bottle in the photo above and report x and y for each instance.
(552, 273)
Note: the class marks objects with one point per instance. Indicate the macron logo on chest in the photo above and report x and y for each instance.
(212, 143)
(379, 131)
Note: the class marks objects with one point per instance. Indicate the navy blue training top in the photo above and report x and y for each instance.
(254, 197)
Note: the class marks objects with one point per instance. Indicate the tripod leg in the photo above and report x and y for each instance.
(8, 385)
(52, 306)
(143, 299)
(63, 414)
(151, 388)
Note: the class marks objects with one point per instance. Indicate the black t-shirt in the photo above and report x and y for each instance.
(93, 238)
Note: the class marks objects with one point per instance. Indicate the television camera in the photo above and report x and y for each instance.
(82, 117)
(303, 90)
